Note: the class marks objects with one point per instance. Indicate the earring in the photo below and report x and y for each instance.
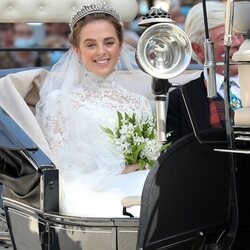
(80, 61)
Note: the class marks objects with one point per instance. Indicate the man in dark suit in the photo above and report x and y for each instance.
(208, 113)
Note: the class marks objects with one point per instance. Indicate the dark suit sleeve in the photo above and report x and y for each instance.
(178, 121)
(174, 123)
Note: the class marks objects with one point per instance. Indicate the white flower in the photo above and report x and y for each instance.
(135, 136)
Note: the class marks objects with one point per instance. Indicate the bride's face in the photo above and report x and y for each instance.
(99, 47)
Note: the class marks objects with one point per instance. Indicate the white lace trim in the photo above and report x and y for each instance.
(93, 104)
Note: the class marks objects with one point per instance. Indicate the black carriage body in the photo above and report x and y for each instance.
(189, 193)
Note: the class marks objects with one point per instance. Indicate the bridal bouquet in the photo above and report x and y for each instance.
(137, 139)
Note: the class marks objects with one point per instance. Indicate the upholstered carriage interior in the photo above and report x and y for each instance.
(36, 11)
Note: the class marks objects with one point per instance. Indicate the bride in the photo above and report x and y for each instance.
(80, 96)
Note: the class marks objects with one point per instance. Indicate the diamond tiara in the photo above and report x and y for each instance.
(91, 9)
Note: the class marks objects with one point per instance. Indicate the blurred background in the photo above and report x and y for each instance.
(55, 35)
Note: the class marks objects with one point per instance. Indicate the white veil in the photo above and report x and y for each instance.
(68, 72)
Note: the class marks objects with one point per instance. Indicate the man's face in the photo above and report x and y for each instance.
(217, 37)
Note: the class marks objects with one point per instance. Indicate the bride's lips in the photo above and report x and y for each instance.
(102, 62)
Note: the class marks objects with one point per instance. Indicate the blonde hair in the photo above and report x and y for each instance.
(194, 25)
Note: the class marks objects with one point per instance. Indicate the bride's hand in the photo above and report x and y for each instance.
(130, 168)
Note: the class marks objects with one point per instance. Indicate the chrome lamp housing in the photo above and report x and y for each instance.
(164, 50)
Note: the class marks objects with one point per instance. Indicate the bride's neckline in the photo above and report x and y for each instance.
(92, 81)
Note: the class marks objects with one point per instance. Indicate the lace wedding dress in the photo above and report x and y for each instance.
(90, 166)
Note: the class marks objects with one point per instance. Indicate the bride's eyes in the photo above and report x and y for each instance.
(90, 45)
(109, 43)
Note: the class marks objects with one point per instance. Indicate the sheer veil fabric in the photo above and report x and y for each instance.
(69, 71)
(73, 106)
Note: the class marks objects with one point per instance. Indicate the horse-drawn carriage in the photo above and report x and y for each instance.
(189, 200)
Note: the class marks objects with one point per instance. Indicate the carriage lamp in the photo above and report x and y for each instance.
(163, 51)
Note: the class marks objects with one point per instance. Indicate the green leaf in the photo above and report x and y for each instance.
(165, 146)
(142, 164)
(119, 114)
(129, 158)
(152, 134)
(132, 119)
(108, 131)
(126, 116)
(151, 163)
(138, 150)
(138, 131)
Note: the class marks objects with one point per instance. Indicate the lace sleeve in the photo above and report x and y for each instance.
(53, 119)
(146, 107)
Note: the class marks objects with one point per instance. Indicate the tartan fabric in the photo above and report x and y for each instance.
(217, 112)
(217, 108)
